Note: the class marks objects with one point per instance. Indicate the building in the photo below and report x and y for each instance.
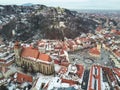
(66, 77)
(116, 71)
(95, 51)
(72, 74)
(6, 57)
(96, 80)
(111, 77)
(21, 77)
(2, 79)
(34, 60)
(50, 83)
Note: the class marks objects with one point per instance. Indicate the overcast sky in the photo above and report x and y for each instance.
(70, 4)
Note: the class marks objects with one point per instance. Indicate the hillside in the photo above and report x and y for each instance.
(39, 21)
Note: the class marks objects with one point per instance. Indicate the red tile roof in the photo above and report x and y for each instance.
(117, 71)
(93, 76)
(84, 39)
(94, 51)
(56, 61)
(34, 53)
(109, 73)
(62, 52)
(71, 82)
(64, 64)
(30, 52)
(80, 70)
(117, 53)
(23, 78)
(63, 70)
(71, 42)
(58, 46)
(117, 32)
(64, 47)
(45, 57)
(113, 31)
(99, 28)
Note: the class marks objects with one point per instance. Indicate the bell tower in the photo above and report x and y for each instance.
(99, 46)
(17, 50)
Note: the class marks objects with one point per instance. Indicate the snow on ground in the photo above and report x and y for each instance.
(57, 67)
(11, 87)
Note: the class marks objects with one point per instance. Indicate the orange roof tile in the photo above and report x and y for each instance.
(99, 28)
(56, 61)
(30, 52)
(94, 51)
(96, 76)
(71, 42)
(45, 57)
(71, 82)
(117, 53)
(58, 46)
(118, 33)
(23, 78)
(63, 70)
(64, 64)
(84, 39)
(80, 70)
(109, 73)
(34, 53)
(113, 31)
(64, 47)
(117, 71)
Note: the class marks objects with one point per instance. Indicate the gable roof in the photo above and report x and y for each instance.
(117, 71)
(23, 77)
(94, 51)
(117, 53)
(30, 52)
(45, 57)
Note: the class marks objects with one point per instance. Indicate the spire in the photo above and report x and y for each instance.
(17, 44)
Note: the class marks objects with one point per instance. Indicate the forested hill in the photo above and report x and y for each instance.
(39, 21)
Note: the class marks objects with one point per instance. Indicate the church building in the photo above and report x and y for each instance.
(33, 59)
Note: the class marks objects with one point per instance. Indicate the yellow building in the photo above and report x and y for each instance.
(95, 51)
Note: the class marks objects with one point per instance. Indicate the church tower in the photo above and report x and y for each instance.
(99, 46)
(17, 50)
